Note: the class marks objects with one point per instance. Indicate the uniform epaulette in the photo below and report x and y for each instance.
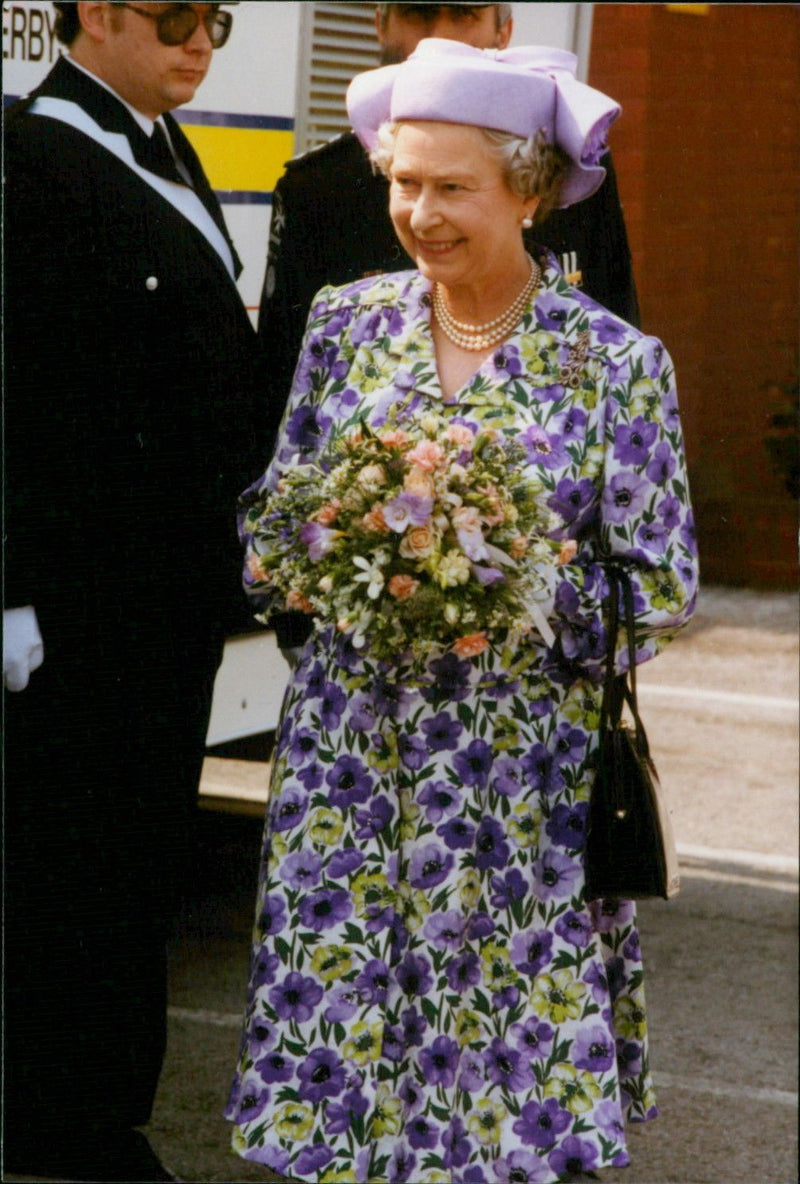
(325, 153)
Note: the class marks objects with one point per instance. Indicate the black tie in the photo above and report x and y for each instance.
(155, 155)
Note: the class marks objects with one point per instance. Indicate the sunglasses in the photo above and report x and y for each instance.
(176, 25)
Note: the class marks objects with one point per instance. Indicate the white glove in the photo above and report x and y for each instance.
(23, 650)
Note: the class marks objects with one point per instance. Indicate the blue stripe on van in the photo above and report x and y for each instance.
(272, 123)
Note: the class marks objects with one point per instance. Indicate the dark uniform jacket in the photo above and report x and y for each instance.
(330, 225)
(130, 397)
(131, 427)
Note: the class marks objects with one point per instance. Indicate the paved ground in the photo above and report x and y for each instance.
(720, 960)
(720, 706)
(721, 983)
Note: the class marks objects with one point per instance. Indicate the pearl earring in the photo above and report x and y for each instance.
(527, 223)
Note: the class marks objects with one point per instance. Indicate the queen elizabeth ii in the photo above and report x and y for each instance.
(432, 996)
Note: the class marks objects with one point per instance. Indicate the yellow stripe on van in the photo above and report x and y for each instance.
(241, 158)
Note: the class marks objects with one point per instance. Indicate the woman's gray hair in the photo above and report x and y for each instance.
(531, 167)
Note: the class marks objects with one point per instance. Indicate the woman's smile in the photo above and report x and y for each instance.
(438, 247)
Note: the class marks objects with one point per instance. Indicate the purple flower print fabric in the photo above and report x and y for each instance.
(431, 998)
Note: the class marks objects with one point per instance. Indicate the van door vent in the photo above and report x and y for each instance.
(337, 41)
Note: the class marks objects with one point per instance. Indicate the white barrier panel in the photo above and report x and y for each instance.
(249, 688)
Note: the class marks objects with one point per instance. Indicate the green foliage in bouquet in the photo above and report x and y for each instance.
(412, 538)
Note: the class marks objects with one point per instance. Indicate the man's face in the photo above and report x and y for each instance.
(152, 77)
(406, 26)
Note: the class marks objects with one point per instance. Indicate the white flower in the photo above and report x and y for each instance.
(362, 623)
(498, 556)
(371, 575)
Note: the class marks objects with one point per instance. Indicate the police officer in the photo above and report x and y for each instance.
(330, 223)
(130, 405)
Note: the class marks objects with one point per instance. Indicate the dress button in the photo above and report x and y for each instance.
(151, 283)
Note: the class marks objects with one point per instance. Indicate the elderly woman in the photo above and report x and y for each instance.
(432, 997)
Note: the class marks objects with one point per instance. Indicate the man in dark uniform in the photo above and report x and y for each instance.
(330, 223)
(130, 414)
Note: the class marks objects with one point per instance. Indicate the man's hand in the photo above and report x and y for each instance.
(23, 650)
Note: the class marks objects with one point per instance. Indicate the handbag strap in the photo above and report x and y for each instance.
(614, 685)
(616, 691)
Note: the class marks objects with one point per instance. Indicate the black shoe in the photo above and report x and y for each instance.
(124, 1157)
(140, 1164)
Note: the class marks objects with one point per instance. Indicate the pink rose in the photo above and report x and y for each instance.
(569, 550)
(417, 542)
(296, 600)
(256, 569)
(427, 454)
(459, 434)
(374, 520)
(401, 587)
(418, 482)
(394, 438)
(326, 514)
(470, 645)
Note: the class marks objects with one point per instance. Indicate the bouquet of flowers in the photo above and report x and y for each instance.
(411, 538)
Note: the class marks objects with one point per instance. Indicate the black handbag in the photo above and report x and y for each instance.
(630, 845)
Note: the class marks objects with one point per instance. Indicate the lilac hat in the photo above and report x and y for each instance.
(524, 90)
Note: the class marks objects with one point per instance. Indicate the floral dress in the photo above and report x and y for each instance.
(431, 997)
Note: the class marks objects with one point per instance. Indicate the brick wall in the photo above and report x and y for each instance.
(707, 155)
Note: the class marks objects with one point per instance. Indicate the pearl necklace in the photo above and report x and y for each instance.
(479, 337)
